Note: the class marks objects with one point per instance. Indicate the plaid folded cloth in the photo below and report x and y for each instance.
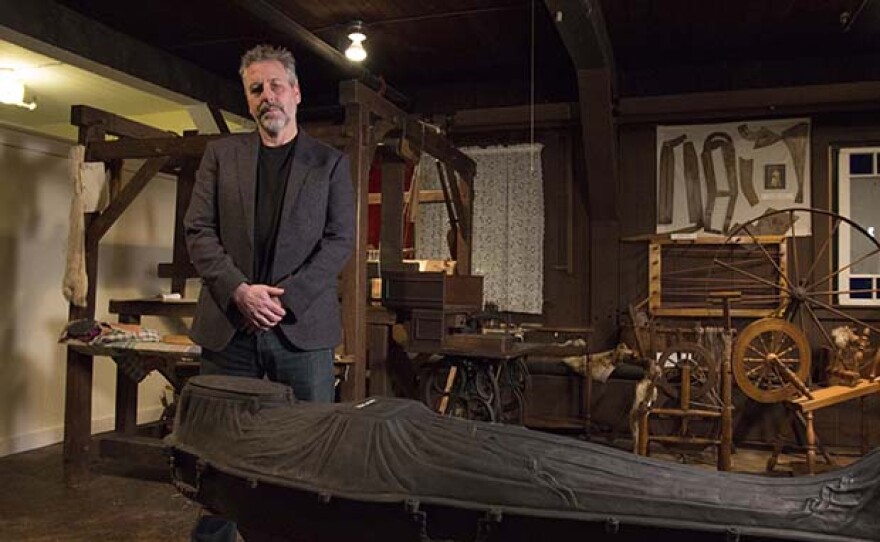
(116, 334)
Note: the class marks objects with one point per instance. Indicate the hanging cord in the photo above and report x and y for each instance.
(532, 93)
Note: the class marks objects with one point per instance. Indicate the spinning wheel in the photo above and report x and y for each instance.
(771, 357)
(690, 364)
(766, 355)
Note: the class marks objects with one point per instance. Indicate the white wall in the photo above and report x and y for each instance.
(35, 197)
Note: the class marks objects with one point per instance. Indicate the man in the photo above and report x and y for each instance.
(269, 228)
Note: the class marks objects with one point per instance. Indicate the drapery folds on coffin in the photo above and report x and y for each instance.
(390, 469)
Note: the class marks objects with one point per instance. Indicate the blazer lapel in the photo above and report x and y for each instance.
(300, 169)
(246, 156)
(303, 162)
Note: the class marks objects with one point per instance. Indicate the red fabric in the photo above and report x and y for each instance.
(374, 213)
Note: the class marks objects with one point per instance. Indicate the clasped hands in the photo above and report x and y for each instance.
(260, 305)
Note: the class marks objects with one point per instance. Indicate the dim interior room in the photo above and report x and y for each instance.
(592, 244)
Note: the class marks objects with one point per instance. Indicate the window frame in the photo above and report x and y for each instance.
(842, 242)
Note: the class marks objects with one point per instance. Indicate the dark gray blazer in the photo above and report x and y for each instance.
(315, 238)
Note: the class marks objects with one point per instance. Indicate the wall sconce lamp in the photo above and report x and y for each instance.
(12, 90)
(356, 51)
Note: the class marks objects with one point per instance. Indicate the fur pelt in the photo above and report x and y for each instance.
(75, 285)
(601, 363)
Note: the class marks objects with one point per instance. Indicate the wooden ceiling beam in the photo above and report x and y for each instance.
(84, 116)
(129, 148)
(809, 99)
(582, 28)
(419, 136)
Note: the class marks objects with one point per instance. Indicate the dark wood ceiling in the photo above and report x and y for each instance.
(671, 46)
(478, 52)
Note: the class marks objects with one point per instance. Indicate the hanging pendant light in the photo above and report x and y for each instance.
(356, 52)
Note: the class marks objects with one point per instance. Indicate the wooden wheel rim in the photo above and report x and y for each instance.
(699, 356)
(760, 339)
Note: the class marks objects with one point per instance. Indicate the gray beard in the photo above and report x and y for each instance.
(273, 126)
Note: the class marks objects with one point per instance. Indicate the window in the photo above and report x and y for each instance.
(858, 198)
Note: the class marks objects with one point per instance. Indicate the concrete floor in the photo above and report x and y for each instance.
(136, 504)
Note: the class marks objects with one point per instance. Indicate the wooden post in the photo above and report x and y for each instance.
(78, 386)
(354, 276)
(600, 150)
(126, 391)
(644, 438)
(186, 179)
(588, 398)
(391, 234)
(685, 399)
(725, 445)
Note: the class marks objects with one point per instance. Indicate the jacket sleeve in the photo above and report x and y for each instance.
(322, 268)
(202, 231)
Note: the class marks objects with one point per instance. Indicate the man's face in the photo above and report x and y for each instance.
(272, 100)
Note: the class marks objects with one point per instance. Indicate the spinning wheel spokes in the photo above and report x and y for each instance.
(688, 364)
(759, 370)
(783, 276)
(808, 300)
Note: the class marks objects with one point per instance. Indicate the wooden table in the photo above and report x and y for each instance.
(136, 359)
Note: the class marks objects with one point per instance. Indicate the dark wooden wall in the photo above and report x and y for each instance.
(637, 197)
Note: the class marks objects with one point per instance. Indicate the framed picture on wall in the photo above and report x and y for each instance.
(774, 177)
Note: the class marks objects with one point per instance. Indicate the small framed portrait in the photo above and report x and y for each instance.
(774, 177)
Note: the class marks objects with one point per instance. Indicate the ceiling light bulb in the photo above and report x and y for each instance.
(12, 90)
(356, 51)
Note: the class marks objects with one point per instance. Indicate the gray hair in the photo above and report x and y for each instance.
(264, 52)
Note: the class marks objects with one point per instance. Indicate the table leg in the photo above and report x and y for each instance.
(77, 419)
(811, 444)
(643, 432)
(126, 391)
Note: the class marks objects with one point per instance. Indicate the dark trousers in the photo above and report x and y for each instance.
(269, 355)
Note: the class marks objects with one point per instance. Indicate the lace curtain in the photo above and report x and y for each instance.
(508, 225)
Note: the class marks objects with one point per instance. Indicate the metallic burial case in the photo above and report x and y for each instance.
(390, 469)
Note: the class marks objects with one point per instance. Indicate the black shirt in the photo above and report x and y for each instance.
(272, 174)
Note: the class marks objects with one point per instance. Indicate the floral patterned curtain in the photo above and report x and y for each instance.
(508, 224)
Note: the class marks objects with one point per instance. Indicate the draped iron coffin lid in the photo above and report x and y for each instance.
(396, 452)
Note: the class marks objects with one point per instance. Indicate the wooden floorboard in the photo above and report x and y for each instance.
(119, 503)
